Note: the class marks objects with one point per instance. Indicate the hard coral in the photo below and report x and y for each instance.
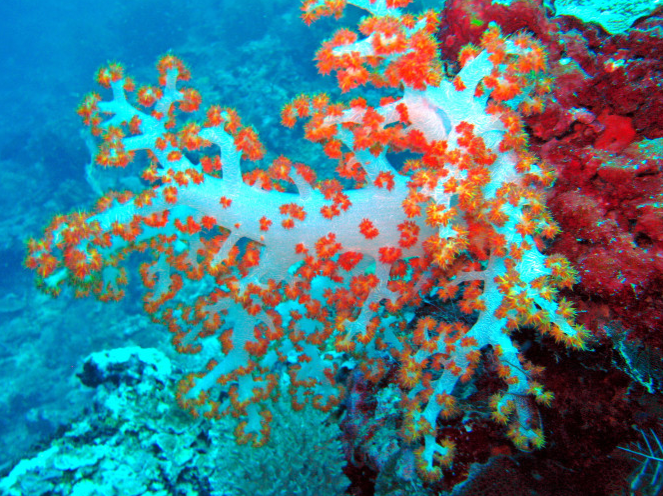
(617, 18)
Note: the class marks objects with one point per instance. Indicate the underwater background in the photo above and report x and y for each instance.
(50, 53)
(601, 131)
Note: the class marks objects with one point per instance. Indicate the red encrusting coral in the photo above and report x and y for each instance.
(611, 212)
(599, 130)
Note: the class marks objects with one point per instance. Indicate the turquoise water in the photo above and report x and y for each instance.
(253, 56)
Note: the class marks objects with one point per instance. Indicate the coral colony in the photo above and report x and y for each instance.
(311, 274)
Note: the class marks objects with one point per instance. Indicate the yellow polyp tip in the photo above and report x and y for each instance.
(447, 459)
(495, 400)
(430, 474)
(539, 440)
(520, 441)
(579, 340)
(499, 417)
(545, 398)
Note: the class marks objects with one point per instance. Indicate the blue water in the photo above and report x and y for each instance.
(49, 53)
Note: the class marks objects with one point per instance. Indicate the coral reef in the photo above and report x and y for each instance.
(136, 441)
(474, 250)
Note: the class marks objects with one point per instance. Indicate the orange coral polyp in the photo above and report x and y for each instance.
(368, 229)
